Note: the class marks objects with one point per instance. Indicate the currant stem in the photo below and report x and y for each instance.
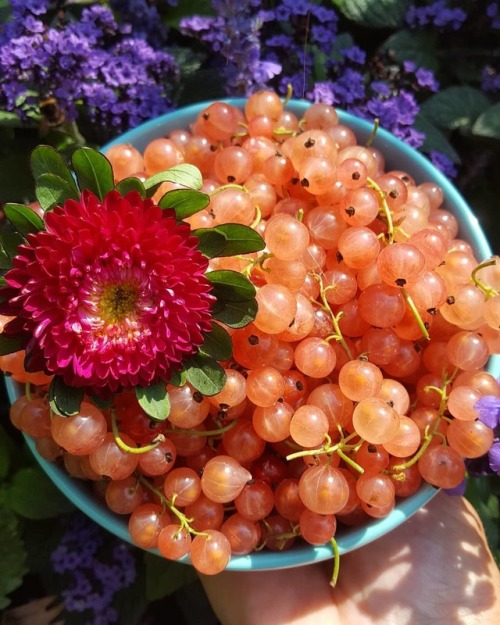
(337, 335)
(416, 314)
(385, 208)
(226, 428)
(371, 138)
(487, 290)
(127, 448)
(336, 562)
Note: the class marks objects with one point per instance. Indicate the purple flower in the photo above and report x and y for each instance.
(437, 14)
(425, 78)
(494, 457)
(443, 163)
(458, 490)
(489, 410)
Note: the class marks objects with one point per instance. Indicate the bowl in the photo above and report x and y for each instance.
(398, 156)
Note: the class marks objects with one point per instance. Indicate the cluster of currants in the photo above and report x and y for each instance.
(357, 379)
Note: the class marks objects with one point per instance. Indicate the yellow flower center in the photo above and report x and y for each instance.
(118, 302)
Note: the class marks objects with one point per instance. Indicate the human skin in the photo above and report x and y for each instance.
(435, 569)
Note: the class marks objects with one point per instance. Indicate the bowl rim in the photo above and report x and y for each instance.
(349, 538)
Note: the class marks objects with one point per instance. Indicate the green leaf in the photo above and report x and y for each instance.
(211, 241)
(93, 171)
(418, 46)
(131, 184)
(488, 123)
(10, 120)
(178, 378)
(231, 286)
(10, 345)
(239, 239)
(46, 160)
(154, 400)
(435, 139)
(163, 577)
(217, 343)
(185, 175)
(374, 13)
(236, 314)
(9, 242)
(64, 400)
(12, 555)
(185, 202)
(205, 374)
(52, 190)
(32, 495)
(23, 218)
(455, 107)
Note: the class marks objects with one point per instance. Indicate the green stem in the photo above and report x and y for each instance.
(127, 448)
(416, 314)
(350, 461)
(336, 562)
(371, 138)
(226, 428)
(338, 336)
(385, 209)
(487, 290)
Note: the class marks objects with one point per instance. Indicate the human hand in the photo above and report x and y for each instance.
(435, 569)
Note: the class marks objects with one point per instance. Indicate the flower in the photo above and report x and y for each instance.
(489, 410)
(111, 295)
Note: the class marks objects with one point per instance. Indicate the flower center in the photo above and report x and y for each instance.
(118, 301)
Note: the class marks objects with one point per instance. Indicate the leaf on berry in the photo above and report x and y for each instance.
(131, 184)
(211, 241)
(32, 495)
(154, 400)
(46, 160)
(64, 400)
(23, 218)
(374, 13)
(93, 171)
(185, 175)
(205, 374)
(455, 107)
(52, 190)
(488, 123)
(235, 314)
(185, 202)
(12, 555)
(239, 239)
(231, 286)
(217, 343)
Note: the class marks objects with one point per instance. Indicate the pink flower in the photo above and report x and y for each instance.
(111, 295)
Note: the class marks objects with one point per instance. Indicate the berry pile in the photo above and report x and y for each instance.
(357, 379)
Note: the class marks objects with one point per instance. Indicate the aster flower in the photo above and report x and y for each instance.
(112, 294)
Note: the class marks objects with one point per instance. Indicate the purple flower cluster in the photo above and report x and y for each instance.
(489, 413)
(92, 66)
(95, 572)
(438, 15)
(234, 34)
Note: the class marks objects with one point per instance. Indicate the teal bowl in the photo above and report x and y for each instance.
(398, 156)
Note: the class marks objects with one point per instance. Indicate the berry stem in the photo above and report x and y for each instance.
(385, 209)
(416, 314)
(371, 138)
(487, 290)
(127, 448)
(337, 335)
(336, 562)
(226, 428)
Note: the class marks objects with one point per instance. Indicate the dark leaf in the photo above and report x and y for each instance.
(488, 123)
(10, 345)
(93, 171)
(154, 400)
(205, 374)
(32, 495)
(23, 218)
(51, 190)
(9, 242)
(12, 555)
(5, 452)
(185, 175)
(418, 46)
(211, 241)
(217, 343)
(236, 314)
(374, 13)
(16, 180)
(435, 139)
(46, 160)
(178, 378)
(131, 184)
(185, 202)
(64, 400)
(455, 107)
(239, 239)
(163, 577)
(231, 286)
